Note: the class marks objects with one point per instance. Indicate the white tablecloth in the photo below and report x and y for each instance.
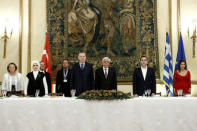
(68, 114)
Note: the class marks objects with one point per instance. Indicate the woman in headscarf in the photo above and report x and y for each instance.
(36, 84)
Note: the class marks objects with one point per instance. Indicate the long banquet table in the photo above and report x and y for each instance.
(69, 114)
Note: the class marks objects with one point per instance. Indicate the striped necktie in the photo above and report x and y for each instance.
(82, 66)
(105, 73)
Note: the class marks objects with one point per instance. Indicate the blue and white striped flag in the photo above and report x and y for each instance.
(168, 70)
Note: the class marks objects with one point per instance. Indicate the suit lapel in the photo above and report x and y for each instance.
(102, 73)
(78, 67)
(147, 73)
(67, 74)
(109, 73)
(62, 73)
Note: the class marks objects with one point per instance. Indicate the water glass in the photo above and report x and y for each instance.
(147, 93)
(73, 93)
(4, 92)
(180, 92)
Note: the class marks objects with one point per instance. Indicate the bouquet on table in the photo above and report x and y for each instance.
(103, 95)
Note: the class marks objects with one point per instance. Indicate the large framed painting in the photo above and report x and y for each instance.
(123, 30)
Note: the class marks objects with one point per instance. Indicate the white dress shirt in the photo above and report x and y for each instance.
(107, 69)
(144, 72)
(35, 73)
(80, 64)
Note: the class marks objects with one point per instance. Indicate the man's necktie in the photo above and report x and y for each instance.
(105, 73)
(65, 71)
(82, 66)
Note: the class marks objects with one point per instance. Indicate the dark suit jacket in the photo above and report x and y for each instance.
(140, 85)
(61, 86)
(101, 83)
(82, 80)
(48, 79)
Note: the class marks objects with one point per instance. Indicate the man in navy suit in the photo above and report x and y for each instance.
(144, 79)
(63, 79)
(105, 76)
(82, 78)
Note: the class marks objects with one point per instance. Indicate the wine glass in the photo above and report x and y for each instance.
(37, 93)
(145, 93)
(149, 92)
(180, 92)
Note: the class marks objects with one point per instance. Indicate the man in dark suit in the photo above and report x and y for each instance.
(82, 75)
(105, 77)
(63, 79)
(47, 75)
(144, 79)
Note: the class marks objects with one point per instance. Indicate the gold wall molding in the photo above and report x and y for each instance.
(178, 18)
(170, 23)
(20, 33)
(29, 37)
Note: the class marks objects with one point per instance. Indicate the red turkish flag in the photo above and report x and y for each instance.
(46, 59)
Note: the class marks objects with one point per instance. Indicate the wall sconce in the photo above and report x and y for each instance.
(194, 36)
(5, 37)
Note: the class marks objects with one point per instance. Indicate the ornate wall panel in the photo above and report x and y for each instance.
(121, 29)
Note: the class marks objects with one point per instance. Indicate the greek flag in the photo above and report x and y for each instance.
(168, 71)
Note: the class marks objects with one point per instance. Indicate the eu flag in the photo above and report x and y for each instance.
(180, 53)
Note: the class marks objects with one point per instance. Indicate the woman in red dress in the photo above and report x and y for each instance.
(182, 79)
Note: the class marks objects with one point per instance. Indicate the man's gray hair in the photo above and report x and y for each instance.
(106, 58)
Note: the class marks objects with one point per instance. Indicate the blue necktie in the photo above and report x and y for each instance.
(82, 66)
